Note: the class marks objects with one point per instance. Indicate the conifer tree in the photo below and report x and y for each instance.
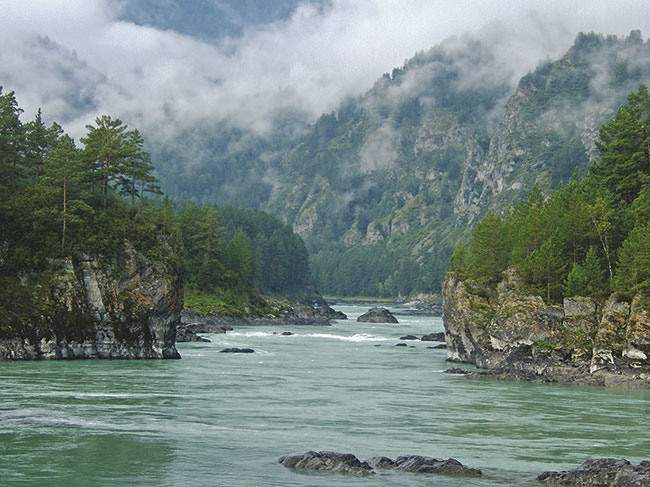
(490, 249)
(625, 148)
(107, 151)
(11, 140)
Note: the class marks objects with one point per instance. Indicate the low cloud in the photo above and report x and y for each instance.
(77, 60)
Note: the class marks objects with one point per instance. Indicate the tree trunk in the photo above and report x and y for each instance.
(65, 205)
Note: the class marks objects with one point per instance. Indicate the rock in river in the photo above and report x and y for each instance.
(434, 337)
(450, 466)
(377, 315)
(328, 461)
(602, 472)
(237, 350)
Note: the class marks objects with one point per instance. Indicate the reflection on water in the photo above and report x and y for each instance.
(224, 419)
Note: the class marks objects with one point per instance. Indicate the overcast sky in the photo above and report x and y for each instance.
(74, 58)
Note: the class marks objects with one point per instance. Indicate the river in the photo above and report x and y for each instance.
(216, 419)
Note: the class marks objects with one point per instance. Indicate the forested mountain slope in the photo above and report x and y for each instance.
(381, 189)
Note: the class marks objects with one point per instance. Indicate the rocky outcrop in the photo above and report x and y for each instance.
(517, 336)
(450, 466)
(377, 315)
(349, 464)
(185, 335)
(237, 350)
(434, 337)
(602, 472)
(127, 308)
(328, 461)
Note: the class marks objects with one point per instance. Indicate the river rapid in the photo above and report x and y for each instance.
(217, 419)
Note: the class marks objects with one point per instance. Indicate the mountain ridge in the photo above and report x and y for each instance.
(386, 185)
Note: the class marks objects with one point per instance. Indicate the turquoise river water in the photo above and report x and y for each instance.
(215, 419)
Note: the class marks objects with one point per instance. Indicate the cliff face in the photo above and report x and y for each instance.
(516, 336)
(125, 308)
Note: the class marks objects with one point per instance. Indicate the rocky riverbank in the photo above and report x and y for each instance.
(125, 308)
(516, 336)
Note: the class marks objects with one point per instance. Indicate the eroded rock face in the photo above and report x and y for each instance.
(377, 315)
(517, 336)
(602, 472)
(328, 461)
(127, 308)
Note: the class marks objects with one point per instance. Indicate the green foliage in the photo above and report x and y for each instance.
(567, 245)
(587, 278)
(633, 272)
(625, 148)
(490, 250)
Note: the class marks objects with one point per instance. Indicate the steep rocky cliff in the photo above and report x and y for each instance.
(406, 169)
(516, 336)
(126, 307)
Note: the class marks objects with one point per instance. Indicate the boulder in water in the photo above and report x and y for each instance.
(602, 472)
(434, 337)
(237, 350)
(328, 461)
(408, 337)
(450, 466)
(377, 315)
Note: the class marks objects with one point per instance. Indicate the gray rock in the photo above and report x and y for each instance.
(237, 350)
(401, 345)
(434, 337)
(125, 307)
(184, 335)
(381, 462)
(377, 315)
(420, 464)
(328, 461)
(408, 337)
(602, 472)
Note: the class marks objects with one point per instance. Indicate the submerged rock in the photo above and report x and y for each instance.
(328, 461)
(408, 337)
(237, 350)
(377, 315)
(602, 472)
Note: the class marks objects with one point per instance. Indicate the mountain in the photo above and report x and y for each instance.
(382, 189)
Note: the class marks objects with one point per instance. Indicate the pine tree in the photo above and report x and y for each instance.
(588, 278)
(458, 258)
(547, 267)
(490, 249)
(11, 140)
(625, 148)
(633, 271)
(107, 151)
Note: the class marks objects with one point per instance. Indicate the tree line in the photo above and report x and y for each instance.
(60, 200)
(590, 237)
